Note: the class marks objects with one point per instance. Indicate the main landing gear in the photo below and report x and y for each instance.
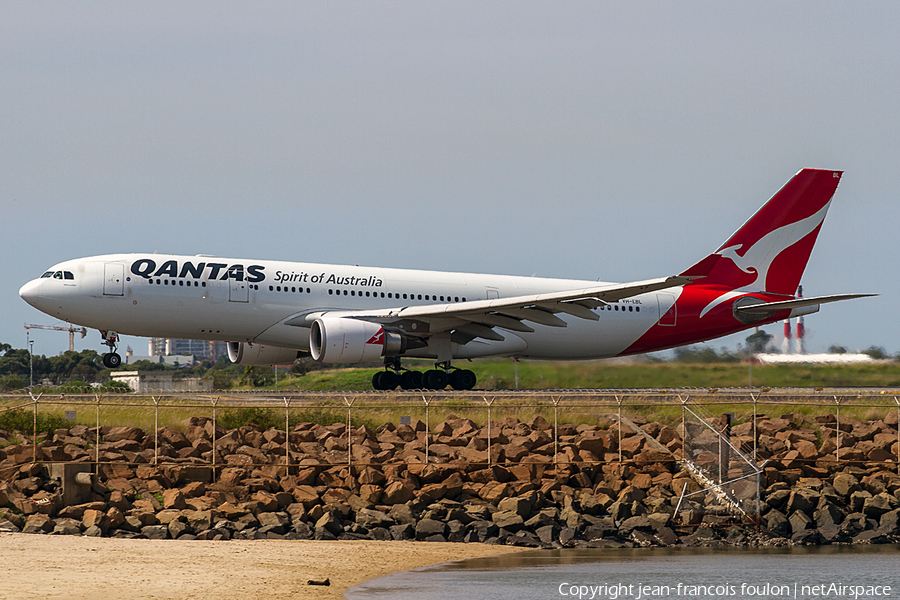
(434, 379)
(111, 360)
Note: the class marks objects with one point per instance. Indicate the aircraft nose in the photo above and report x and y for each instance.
(31, 291)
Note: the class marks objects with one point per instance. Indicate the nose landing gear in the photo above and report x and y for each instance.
(111, 360)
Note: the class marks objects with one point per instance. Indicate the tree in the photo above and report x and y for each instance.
(758, 342)
(876, 352)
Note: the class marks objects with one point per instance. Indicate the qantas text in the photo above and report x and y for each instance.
(147, 268)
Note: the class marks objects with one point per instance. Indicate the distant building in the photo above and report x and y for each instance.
(158, 381)
(173, 360)
(202, 349)
(845, 359)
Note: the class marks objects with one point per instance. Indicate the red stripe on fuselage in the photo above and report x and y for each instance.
(691, 328)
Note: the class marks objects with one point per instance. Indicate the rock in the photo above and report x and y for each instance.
(494, 492)
(174, 499)
(155, 532)
(404, 531)
(370, 518)
(777, 523)
(633, 523)
(397, 492)
(517, 505)
(483, 530)
(547, 533)
(509, 520)
(66, 527)
(38, 523)
(878, 505)
(799, 521)
(426, 528)
(845, 484)
(828, 514)
(330, 523)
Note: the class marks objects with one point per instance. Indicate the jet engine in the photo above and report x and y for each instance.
(344, 340)
(244, 353)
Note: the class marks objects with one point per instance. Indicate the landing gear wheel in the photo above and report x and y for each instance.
(435, 379)
(387, 381)
(411, 380)
(462, 379)
(112, 360)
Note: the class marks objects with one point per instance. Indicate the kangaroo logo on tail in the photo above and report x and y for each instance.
(769, 253)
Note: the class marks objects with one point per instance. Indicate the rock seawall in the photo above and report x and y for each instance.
(521, 484)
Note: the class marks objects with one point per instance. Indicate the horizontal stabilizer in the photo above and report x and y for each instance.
(769, 307)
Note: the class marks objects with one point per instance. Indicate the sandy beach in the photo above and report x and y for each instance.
(43, 566)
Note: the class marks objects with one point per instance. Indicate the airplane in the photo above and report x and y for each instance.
(273, 312)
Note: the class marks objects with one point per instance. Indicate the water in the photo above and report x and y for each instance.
(859, 573)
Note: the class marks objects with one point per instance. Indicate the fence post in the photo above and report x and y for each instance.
(287, 436)
(489, 404)
(898, 434)
(619, 403)
(34, 422)
(156, 429)
(349, 404)
(555, 428)
(215, 402)
(837, 431)
(755, 433)
(97, 448)
(684, 431)
(427, 425)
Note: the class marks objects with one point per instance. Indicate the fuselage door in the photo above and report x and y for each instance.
(668, 310)
(113, 279)
(238, 291)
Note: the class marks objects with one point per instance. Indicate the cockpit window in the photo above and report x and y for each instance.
(57, 275)
(47, 274)
(68, 275)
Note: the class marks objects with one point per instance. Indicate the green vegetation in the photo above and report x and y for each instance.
(691, 366)
(24, 420)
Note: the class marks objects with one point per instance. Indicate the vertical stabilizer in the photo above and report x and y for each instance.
(770, 251)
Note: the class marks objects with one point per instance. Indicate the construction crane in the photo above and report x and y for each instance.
(71, 329)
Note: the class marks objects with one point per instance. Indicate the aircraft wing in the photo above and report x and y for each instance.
(478, 318)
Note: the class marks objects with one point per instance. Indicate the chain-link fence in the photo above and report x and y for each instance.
(815, 428)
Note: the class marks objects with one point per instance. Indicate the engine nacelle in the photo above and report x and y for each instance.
(342, 340)
(244, 353)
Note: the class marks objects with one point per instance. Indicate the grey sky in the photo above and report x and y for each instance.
(614, 140)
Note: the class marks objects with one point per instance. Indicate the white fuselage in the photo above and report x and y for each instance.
(238, 300)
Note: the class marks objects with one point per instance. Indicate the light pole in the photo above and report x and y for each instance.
(30, 343)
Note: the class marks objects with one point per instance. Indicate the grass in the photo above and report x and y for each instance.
(501, 374)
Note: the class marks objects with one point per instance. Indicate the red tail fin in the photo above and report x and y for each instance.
(769, 252)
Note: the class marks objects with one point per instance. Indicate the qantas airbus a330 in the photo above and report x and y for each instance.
(274, 312)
